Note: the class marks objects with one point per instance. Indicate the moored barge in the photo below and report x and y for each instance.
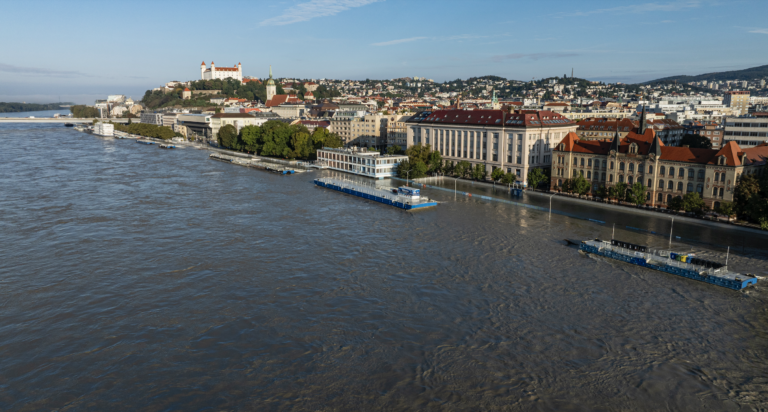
(681, 264)
(407, 198)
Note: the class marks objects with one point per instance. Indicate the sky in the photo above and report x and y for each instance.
(84, 50)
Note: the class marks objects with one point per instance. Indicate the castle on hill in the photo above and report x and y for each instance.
(235, 72)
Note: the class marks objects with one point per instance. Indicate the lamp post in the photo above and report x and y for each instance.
(670, 232)
(550, 204)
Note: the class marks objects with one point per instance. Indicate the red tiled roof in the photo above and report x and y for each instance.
(519, 118)
(186, 89)
(731, 152)
(279, 99)
(606, 124)
(757, 154)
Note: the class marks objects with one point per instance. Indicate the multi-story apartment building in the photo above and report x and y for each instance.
(666, 172)
(738, 101)
(359, 129)
(669, 131)
(710, 130)
(397, 133)
(152, 118)
(603, 128)
(342, 124)
(513, 141)
(360, 161)
(747, 130)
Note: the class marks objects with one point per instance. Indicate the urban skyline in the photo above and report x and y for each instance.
(129, 50)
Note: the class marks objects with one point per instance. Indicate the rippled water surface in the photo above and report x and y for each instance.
(134, 278)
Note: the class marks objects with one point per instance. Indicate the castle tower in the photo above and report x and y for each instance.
(271, 88)
(202, 71)
(213, 70)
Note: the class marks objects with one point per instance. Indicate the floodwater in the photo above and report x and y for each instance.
(136, 278)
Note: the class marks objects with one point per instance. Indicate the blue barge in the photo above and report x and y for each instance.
(407, 198)
(667, 261)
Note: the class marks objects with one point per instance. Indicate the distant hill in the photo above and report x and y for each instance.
(28, 107)
(746, 74)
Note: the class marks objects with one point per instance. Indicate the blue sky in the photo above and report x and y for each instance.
(83, 50)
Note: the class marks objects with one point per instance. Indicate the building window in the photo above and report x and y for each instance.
(679, 186)
(669, 197)
(722, 177)
(630, 179)
(610, 178)
(631, 168)
(671, 172)
(621, 178)
(681, 173)
(650, 183)
(701, 174)
(690, 173)
(589, 175)
(589, 163)
(611, 165)
(621, 166)
(714, 192)
(650, 169)
(661, 184)
(660, 197)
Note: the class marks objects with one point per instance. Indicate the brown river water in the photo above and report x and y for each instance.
(135, 278)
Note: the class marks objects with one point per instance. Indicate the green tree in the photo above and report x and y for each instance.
(536, 177)
(676, 203)
(435, 162)
(394, 150)
(228, 137)
(618, 191)
(580, 185)
(497, 174)
(746, 191)
(251, 138)
(411, 170)
(509, 178)
(725, 208)
(460, 168)
(692, 202)
(602, 192)
(567, 187)
(696, 141)
(419, 152)
(636, 194)
(479, 173)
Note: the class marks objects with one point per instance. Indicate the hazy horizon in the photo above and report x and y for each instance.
(128, 50)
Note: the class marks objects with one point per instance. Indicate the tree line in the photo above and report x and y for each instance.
(28, 107)
(147, 130)
(81, 110)
(422, 160)
(278, 139)
(750, 198)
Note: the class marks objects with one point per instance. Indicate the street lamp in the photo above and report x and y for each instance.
(550, 203)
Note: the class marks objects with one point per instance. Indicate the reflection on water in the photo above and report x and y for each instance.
(138, 278)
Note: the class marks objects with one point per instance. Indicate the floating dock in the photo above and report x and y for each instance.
(404, 197)
(681, 264)
(254, 163)
(145, 142)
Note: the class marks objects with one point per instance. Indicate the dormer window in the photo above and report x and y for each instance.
(721, 160)
(633, 148)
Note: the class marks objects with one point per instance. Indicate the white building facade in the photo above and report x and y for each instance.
(360, 162)
(214, 72)
(514, 142)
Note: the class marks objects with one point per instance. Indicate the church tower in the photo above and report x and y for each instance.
(271, 88)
